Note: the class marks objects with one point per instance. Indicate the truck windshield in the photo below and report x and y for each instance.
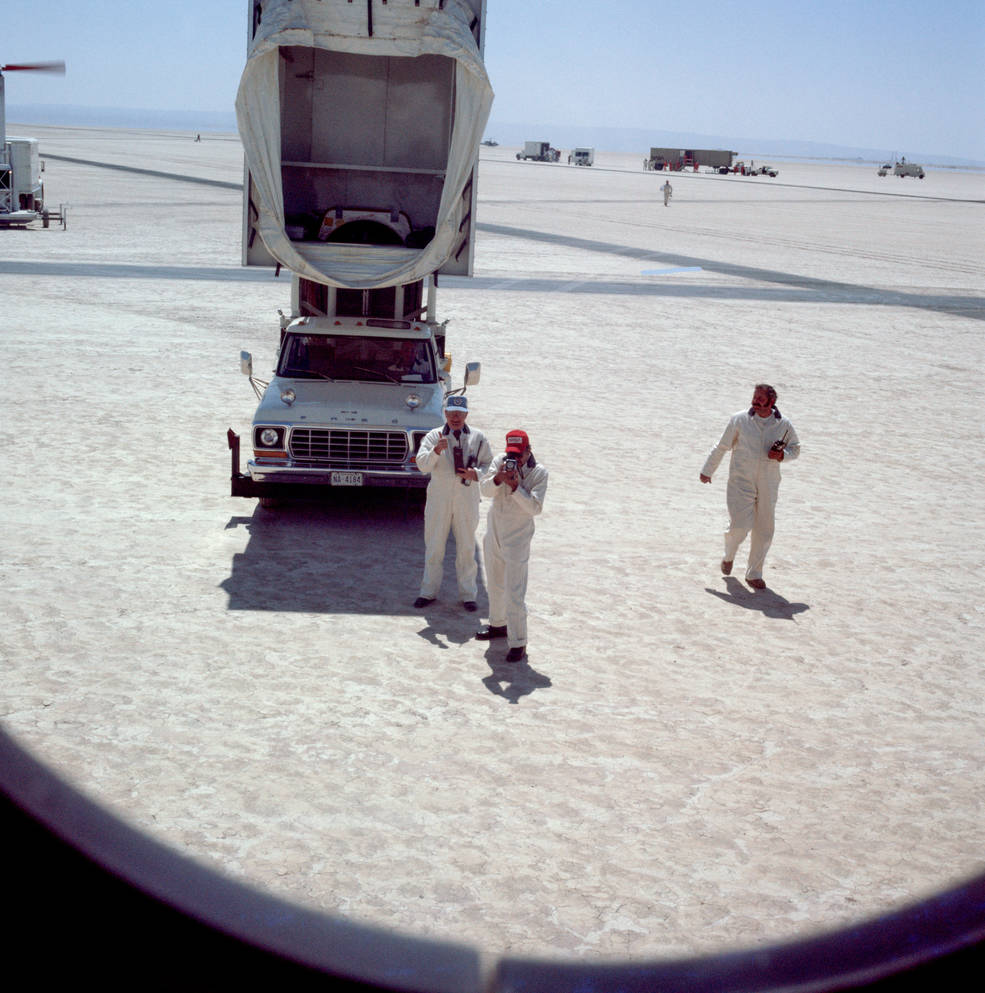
(364, 359)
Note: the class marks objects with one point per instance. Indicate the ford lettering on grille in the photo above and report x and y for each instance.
(348, 449)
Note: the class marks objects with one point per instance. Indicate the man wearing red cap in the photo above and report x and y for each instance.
(455, 456)
(516, 484)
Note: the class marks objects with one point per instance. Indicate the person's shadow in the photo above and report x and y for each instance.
(768, 602)
(512, 680)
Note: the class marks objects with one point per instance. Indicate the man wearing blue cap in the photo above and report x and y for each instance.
(455, 456)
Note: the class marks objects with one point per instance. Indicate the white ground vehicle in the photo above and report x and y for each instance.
(21, 188)
(904, 168)
(361, 127)
(581, 156)
(538, 151)
(349, 403)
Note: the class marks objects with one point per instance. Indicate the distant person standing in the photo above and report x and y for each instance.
(759, 439)
(668, 192)
(455, 456)
(517, 484)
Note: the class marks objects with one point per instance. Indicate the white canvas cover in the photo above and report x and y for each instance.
(399, 28)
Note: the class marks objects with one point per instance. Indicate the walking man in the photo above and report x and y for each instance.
(517, 485)
(759, 439)
(668, 192)
(455, 456)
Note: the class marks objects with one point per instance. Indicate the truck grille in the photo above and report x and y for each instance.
(345, 449)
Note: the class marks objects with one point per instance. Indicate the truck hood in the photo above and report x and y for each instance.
(351, 404)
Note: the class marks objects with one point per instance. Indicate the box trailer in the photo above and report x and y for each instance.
(676, 159)
(538, 151)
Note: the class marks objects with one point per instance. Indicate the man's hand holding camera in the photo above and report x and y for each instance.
(509, 473)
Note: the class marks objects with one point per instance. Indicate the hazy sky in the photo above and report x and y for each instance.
(896, 74)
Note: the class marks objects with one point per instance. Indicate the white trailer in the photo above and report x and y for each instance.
(538, 151)
(361, 126)
(581, 156)
(21, 187)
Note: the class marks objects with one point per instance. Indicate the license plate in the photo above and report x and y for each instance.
(347, 479)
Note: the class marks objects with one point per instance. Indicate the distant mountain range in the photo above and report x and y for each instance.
(606, 139)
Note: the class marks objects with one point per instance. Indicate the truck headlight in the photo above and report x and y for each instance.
(268, 437)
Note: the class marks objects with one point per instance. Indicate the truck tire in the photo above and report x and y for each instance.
(269, 503)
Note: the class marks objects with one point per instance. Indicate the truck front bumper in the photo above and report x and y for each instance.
(262, 480)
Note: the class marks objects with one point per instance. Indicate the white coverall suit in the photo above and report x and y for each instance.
(753, 481)
(506, 549)
(451, 506)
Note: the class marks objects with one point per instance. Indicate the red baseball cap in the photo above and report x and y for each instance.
(516, 442)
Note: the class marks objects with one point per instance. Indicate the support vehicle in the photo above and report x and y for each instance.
(361, 127)
(676, 159)
(21, 188)
(904, 168)
(538, 151)
(581, 156)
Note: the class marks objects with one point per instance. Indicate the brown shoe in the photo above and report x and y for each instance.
(757, 584)
(726, 568)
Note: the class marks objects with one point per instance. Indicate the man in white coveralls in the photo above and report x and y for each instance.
(759, 439)
(517, 485)
(668, 192)
(455, 456)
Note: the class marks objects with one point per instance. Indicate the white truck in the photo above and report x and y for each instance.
(538, 151)
(581, 156)
(361, 127)
(901, 168)
(21, 189)
(904, 168)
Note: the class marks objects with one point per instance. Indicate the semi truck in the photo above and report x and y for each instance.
(581, 156)
(676, 159)
(538, 151)
(361, 127)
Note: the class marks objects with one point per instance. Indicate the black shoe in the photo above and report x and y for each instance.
(517, 654)
(487, 634)
(470, 606)
(423, 601)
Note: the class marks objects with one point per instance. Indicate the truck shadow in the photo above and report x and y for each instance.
(346, 553)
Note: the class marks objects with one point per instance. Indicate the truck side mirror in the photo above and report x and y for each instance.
(246, 363)
(472, 370)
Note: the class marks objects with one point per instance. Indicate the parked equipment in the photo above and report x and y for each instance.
(581, 156)
(676, 159)
(360, 180)
(538, 151)
(21, 188)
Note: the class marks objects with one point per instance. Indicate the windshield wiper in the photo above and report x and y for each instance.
(306, 373)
